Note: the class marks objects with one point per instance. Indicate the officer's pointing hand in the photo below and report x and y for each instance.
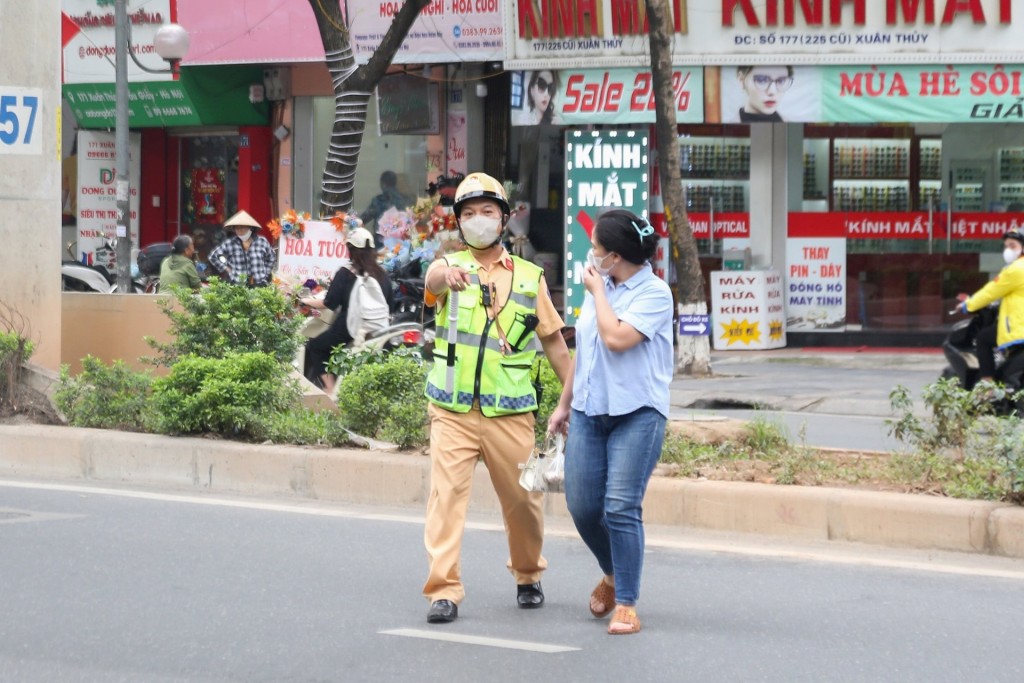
(456, 278)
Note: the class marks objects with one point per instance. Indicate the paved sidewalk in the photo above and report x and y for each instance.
(844, 382)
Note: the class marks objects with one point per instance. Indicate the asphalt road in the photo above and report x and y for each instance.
(102, 585)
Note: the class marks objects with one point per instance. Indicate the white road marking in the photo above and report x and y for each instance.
(770, 548)
(479, 640)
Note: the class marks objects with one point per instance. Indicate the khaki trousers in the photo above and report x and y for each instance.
(457, 440)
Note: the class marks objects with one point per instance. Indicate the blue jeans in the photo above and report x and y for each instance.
(608, 462)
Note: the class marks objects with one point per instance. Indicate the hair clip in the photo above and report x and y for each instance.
(648, 229)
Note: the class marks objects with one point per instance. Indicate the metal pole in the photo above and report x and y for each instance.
(711, 220)
(121, 149)
(931, 223)
(949, 215)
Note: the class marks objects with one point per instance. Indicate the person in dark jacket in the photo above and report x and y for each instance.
(363, 254)
(179, 268)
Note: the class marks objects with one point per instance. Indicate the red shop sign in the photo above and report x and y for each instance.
(910, 225)
(735, 225)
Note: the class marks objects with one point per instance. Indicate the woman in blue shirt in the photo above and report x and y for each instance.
(615, 406)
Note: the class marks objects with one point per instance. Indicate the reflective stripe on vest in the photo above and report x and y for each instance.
(501, 382)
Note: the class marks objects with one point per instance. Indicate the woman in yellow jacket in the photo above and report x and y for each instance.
(1008, 289)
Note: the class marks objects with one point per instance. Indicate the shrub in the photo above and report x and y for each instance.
(236, 395)
(970, 451)
(551, 392)
(15, 349)
(305, 427)
(114, 397)
(385, 400)
(223, 318)
(344, 359)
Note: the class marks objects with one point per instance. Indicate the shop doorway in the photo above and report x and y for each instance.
(209, 187)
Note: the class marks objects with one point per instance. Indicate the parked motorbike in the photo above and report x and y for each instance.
(409, 289)
(149, 260)
(80, 277)
(961, 354)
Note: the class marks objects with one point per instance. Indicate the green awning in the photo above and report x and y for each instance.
(203, 96)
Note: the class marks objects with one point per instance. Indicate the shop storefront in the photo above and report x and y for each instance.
(425, 120)
(872, 152)
(200, 141)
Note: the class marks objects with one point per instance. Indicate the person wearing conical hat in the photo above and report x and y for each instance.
(245, 257)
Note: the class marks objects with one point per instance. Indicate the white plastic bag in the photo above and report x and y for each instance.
(545, 468)
(555, 474)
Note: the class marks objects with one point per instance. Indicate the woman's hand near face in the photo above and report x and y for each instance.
(592, 281)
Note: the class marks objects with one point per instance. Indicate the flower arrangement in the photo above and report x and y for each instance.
(291, 224)
(346, 222)
(396, 225)
(295, 290)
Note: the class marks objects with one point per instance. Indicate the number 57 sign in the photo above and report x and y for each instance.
(19, 109)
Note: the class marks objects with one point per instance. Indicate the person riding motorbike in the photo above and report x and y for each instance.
(1008, 289)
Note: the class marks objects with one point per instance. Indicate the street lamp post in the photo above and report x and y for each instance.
(171, 43)
(124, 216)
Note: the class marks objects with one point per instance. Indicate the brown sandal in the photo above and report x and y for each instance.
(605, 595)
(626, 616)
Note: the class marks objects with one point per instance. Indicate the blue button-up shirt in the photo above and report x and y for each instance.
(618, 383)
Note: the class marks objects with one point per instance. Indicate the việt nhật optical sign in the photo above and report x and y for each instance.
(604, 170)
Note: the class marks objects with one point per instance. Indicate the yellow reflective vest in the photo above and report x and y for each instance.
(475, 368)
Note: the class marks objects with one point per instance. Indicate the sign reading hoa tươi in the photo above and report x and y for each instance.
(603, 170)
(317, 255)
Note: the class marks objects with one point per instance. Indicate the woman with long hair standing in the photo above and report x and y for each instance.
(615, 406)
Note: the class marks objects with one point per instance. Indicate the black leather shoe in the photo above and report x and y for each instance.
(530, 595)
(443, 611)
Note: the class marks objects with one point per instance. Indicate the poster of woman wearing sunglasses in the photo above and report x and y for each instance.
(770, 93)
(537, 104)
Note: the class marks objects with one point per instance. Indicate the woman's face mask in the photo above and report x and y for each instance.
(244, 236)
(1010, 255)
(480, 231)
(597, 263)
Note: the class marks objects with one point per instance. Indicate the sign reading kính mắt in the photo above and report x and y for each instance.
(603, 170)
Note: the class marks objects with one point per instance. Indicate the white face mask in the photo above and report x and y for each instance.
(480, 232)
(597, 263)
(244, 236)
(1010, 255)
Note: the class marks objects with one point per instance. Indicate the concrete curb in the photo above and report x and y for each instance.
(373, 477)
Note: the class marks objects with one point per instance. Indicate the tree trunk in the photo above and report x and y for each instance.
(353, 87)
(693, 352)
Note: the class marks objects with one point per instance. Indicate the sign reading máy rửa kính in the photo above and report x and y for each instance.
(747, 310)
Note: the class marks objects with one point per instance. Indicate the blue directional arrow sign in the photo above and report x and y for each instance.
(694, 325)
